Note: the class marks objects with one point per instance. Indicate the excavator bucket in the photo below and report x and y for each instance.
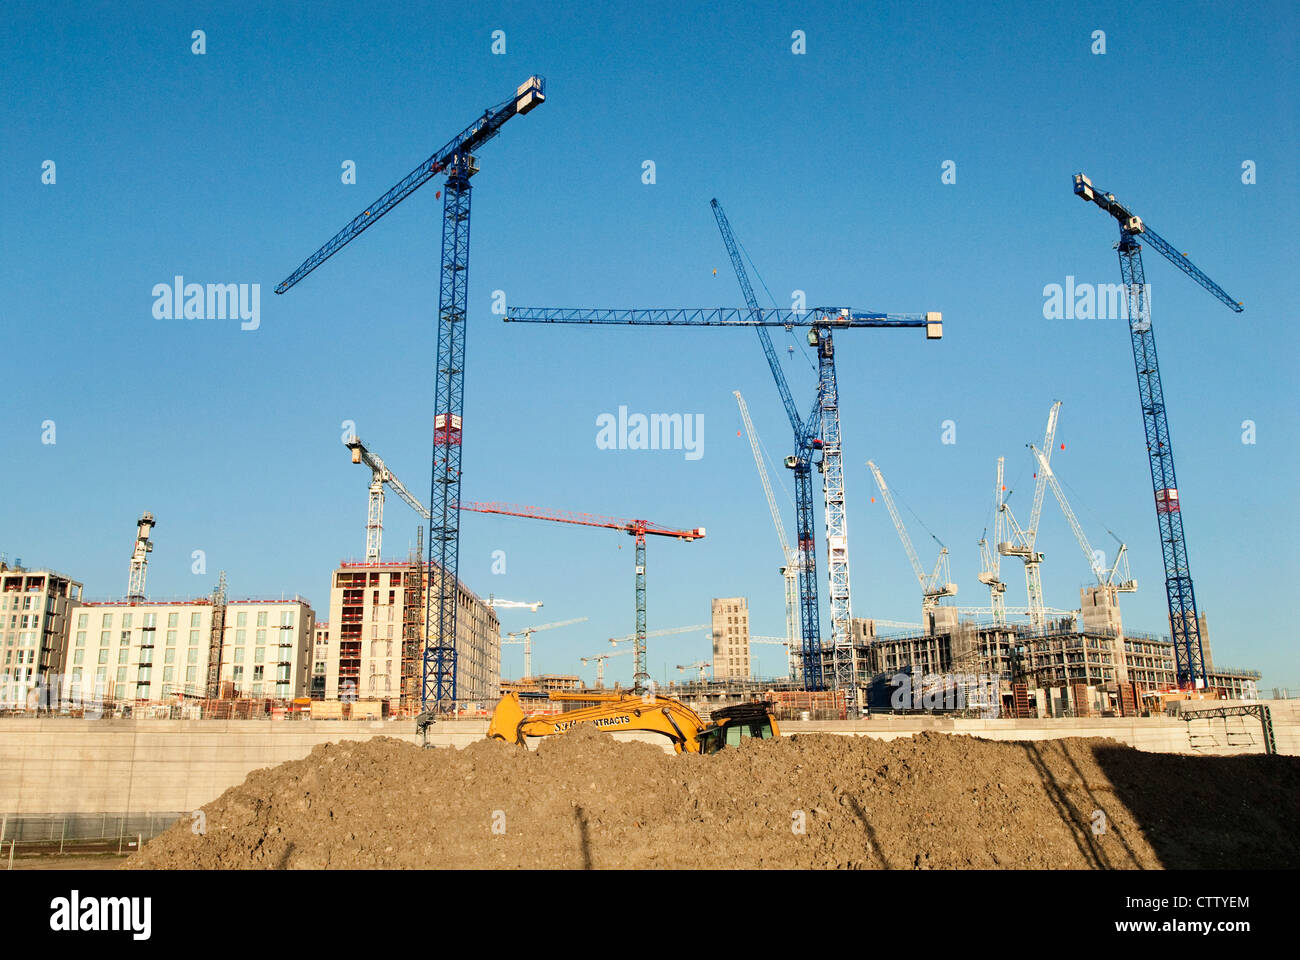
(506, 718)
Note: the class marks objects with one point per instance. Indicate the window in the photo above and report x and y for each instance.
(192, 655)
(79, 656)
(126, 621)
(261, 636)
(190, 673)
(106, 620)
(169, 656)
(81, 638)
(261, 618)
(241, 635)
(194, 619)
(237, 672)
(172, 619)
(171, 638)
(121, 674)
(239, 654)
(83, 620)
(124, 638)
(103, 656)
(241, 619)
(151, 619)
(259, 655)
(194, 637)
(257, 672)
(143, 675)
(286, 618)
(169, 674)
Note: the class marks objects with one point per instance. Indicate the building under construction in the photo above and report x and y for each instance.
(1035, 671)
(377, 628)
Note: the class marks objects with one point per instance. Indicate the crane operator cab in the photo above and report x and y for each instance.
(731, 725)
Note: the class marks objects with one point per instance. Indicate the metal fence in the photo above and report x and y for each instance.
(71, 832)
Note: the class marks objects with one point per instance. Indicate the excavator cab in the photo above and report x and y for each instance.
(732, 725)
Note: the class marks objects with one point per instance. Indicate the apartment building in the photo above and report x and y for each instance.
(320, 654)
(730, 638)
(140, 651)
(34, 607)
(267, 648)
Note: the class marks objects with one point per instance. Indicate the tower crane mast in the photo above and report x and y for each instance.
(456, 160)
(379, 476)
(1184, 623)
(991, 559)
(1021, 542)
(140, 558)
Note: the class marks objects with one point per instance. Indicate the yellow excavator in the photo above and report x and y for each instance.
(644, 712)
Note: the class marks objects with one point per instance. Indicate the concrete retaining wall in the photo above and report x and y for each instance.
(55, 766)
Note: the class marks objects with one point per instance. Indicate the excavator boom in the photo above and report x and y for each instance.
(647, 713)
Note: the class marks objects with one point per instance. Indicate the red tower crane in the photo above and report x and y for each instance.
(636, 528)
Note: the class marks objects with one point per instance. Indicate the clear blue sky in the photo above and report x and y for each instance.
(226, 168)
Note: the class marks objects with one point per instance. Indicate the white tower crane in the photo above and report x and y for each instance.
(668, 632)
(1105, 578)
(700, 665)
(1021, 543)
(380, 475)
(991, 560)
(791, 655)
(512, 604)
(938, 584)
(791, 569)
(525, 637)
(600, 663)
(140, 558)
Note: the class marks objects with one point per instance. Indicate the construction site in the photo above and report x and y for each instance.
(375, 730)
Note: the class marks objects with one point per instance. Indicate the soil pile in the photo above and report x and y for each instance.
(585, 800)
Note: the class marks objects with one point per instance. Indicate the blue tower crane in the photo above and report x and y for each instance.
(1184, 624)
(456, 160)
(821, 321)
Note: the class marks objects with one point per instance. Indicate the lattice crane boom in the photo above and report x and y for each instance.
(529, 95)
(935, 585)
(790, 571)
(1184, 621)
(1040, 481)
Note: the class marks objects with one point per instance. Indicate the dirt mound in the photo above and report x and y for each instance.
(587, 800)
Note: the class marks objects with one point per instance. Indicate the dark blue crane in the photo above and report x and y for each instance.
(456, 160)
(821, 322)
(1184, 625)
(806, 440)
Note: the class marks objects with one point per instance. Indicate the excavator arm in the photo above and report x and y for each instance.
(652, 714)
